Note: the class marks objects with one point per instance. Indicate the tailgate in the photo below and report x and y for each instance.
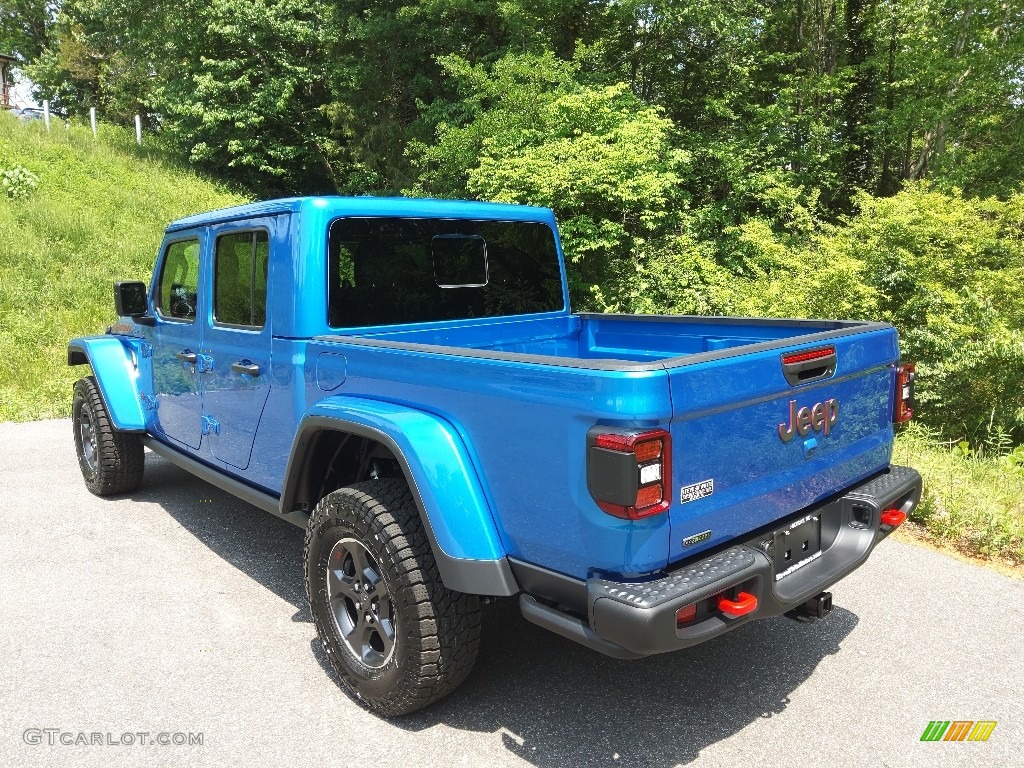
(753, 442)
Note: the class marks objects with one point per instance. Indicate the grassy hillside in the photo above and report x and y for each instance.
(97, 215)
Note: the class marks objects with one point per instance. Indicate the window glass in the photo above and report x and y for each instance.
(240, 279)
(395, 270)
(179, 281)
(460, 261)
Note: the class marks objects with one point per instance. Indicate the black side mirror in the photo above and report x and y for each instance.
(130, 299)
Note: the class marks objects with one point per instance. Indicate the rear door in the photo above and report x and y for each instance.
(755, 439)
(237, 337)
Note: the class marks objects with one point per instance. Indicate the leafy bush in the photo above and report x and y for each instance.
(18, 182)
(947, 271)
(973, 498)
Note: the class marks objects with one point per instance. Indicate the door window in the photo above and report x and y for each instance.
(179, 281)
(240, 279)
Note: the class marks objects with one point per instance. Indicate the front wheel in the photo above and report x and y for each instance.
(111, 461)
(398, 638)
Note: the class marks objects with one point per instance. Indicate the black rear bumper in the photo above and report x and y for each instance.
(633, 619)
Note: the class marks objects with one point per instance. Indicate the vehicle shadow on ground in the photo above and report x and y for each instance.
(554, 702)
(260, 545)
(558, 704)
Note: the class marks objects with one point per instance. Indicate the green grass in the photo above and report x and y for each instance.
(97, 216)
(972, 500)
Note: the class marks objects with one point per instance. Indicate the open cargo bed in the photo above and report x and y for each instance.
(607, 341)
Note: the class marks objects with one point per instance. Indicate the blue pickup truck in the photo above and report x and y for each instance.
(404, 380)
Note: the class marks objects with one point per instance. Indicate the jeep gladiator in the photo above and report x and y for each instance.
(404, 379)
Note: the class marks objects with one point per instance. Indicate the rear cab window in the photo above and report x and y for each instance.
(393, 270)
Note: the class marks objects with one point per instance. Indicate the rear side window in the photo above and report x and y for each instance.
(240, 279)
(179, 281)
(385, 271)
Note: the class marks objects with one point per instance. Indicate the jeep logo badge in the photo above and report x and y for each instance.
(821, 418)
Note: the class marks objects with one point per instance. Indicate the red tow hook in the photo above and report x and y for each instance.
(743, 604)
(893, 517)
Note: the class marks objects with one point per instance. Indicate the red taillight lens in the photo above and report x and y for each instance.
(647, 451)
(648, 495)
(686, 614)
(804, 357)
(615, 442)
(903, 397)
(630, 473)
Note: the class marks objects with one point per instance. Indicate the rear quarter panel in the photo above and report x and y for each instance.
(524, 427)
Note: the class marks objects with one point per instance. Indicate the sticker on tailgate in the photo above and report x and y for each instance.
(696, 491)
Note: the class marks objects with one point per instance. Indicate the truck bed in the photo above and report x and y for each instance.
(524, 392)
(607, 341)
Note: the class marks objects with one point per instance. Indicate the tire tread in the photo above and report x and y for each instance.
(120, 457)
(444, 647)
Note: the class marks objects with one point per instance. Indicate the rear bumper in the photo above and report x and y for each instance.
(633, 619)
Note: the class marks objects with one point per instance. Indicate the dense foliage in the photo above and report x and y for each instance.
(841, 158)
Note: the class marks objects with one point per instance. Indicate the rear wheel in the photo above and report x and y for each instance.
(111, 461)
(398, 638)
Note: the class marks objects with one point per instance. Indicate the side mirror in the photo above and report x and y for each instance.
(130, 299)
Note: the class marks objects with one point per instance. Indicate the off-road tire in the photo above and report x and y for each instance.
(116, 460)
(436, 631)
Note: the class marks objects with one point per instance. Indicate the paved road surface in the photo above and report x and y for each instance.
(181, 610)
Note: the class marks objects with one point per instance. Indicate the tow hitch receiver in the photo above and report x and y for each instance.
(818, 607)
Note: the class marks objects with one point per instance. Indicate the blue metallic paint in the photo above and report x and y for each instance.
(442, 471)
(176, 384)
(118, 379)
(497, 446)
(237, 400)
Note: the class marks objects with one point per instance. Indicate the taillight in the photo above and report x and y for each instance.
(903, 397)
(686, 614)
(629, 474)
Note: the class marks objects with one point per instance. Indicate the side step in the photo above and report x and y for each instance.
(217, 478)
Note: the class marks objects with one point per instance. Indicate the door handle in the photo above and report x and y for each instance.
(187, 356)
(246, 368)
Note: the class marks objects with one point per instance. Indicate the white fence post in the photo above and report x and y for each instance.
(138, 130)
(92, 120)
(46, 115)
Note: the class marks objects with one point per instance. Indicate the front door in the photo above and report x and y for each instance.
(237, 337)
(177, 360)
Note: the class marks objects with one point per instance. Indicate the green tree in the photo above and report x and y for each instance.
(242, 89)
(25, 27)
(597, 155)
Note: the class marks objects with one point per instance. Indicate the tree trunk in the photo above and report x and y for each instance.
(935, 137)
(888, 183)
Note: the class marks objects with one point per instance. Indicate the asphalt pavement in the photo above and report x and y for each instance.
(177, 614)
